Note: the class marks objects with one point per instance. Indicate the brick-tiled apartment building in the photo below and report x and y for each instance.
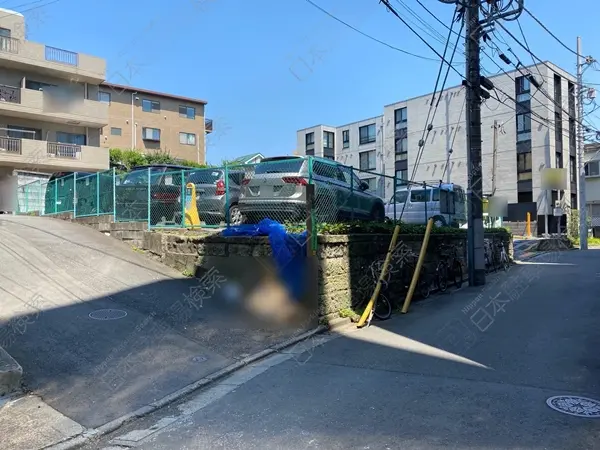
(149, 121)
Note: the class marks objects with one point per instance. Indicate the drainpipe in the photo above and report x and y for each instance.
(133, 130)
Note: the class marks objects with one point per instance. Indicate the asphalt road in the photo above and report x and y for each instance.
(469, 370)
(55, 274)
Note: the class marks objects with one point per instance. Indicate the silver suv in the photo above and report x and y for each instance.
(214, 198)
(276, 190)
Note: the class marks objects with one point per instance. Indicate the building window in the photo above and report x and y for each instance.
(104, 97)
(37, 85)
(559, 160)
(573, 167)
(523, 89)
(18, 132)
(328, 140)
(400, 118)
(372, 182)
(309, 140)
(70, 138)
(572, 136)
(523, 166)
(367, 134)
(187, 112)
(151, 134)
(187, 138)
(523, 127)
(150, 106)
(346, 138)
(592, 169)
(401, 177)
(525, 197)
(115, 131)
(367, 160)
(4, 32)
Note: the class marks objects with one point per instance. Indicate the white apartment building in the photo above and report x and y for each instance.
(592, 185)
(539, 133)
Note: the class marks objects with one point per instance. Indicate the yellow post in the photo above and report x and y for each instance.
(528, 227)
(382, 275)
(191, 209)
(415, 278)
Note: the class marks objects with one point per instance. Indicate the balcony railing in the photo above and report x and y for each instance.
(9, 44)
(10, 94)
(70, 151)
(10, 145)
(208, 125)
(58, 55)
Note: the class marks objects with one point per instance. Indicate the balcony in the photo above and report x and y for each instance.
(208, 126)
(52, 105)
(29, 154)
(26, 55)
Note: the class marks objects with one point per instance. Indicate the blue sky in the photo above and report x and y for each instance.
(268, 68)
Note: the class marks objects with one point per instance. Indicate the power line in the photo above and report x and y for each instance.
(28, 9)
(550, 33)
(393, 11)
(367, 35)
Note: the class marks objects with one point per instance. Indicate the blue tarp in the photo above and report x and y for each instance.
(289, 251)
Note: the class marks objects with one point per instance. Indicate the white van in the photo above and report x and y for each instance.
(423, 204)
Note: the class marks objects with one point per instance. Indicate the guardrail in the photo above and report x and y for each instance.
(58, 55)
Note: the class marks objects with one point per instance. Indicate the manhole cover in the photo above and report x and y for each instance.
(108, 314)
(575, 406)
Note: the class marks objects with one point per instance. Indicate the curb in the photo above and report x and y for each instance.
(10, 373)
(77, 441)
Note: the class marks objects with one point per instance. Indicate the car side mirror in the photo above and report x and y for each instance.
(363, 186)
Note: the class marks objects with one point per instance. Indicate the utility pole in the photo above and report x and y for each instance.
(583, 232)
(476, 262)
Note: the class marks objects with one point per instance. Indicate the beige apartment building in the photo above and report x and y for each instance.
(50, 116)
(152, 121)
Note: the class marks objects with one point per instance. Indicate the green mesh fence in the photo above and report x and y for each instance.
(59, 195)
(132, 196)
(95, 194)
(165, 199)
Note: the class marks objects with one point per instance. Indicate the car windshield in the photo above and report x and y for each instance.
(400, 197)
(141, 176)
(279, 166)
(205, 177)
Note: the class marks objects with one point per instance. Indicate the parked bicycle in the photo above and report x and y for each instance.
(448, 268)
(501, 256)
(488, 254)
(403, 266)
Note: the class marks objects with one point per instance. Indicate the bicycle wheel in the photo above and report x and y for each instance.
(457, 274)
(424, 286)
(505, 262)
(383, 308)
(441, 276)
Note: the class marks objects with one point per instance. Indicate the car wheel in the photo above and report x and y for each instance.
(439, 221)
(235, 216)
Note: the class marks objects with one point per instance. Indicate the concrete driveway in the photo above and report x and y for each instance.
(469, 370)
(101, 330)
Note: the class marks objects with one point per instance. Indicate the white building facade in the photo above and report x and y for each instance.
(540, 132)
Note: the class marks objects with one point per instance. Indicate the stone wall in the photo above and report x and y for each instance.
(343, 261)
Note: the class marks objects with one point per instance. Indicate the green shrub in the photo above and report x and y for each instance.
(360, 227)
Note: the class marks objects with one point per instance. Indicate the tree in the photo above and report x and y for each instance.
(129, 159)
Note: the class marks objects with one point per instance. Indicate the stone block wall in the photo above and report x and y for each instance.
(343, 261)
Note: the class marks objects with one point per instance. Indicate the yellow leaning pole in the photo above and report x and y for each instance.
(415, 278)
(386, 263)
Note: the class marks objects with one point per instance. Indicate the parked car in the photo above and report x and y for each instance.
(421, 204)
(214, 197)
(276, 190)
(132, 194)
